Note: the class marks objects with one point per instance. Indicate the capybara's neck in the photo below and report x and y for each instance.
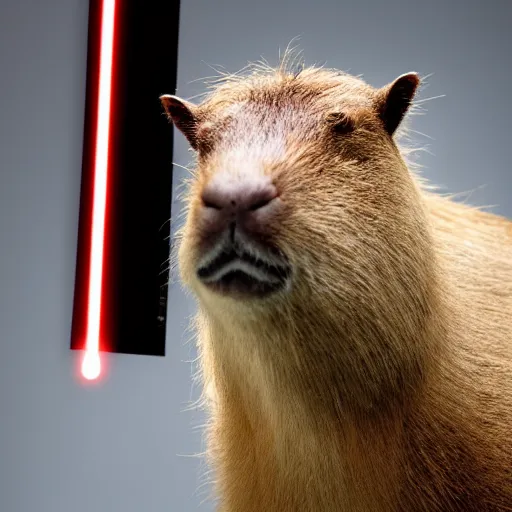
(347, 417)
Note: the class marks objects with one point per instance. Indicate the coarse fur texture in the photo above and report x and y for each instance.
(381, 380)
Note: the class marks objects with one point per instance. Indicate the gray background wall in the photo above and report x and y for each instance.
(125, 445)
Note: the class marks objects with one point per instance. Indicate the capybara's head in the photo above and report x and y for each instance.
(301, 200)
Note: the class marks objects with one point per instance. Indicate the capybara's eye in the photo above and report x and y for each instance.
(341, 123)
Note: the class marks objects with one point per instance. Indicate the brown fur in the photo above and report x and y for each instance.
(383, 380)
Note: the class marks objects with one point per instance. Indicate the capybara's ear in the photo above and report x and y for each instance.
(394, 100)
(184, 116)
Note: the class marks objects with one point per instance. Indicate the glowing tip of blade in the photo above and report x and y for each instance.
(91, 365)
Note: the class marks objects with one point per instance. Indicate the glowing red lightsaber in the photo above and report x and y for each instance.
(91, 364)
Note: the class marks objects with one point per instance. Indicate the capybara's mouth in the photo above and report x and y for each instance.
(237, 273)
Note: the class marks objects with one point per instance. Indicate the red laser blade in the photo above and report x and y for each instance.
(91, 363)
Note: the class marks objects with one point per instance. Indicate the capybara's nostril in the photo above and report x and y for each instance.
(261, 202)
(208, 203)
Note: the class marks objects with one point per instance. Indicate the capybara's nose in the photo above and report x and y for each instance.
(245, 195)
(248, 204)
